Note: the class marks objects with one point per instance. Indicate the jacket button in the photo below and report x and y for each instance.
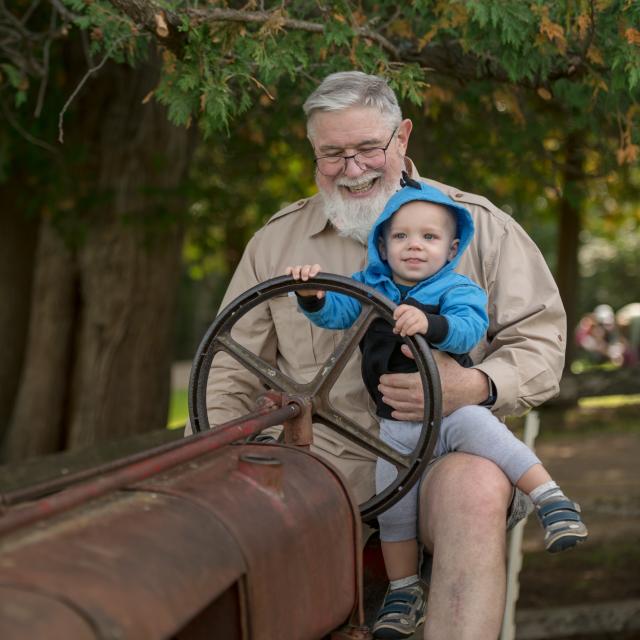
(458, 195)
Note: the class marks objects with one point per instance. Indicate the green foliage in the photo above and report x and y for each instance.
(112, 34)
(500, 85)
(513, 21)
(18, 81)
(216, 68)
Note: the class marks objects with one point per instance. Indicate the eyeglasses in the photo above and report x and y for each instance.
(374, 158)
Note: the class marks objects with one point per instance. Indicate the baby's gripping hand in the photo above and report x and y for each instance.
(409, 321)
(304, 272)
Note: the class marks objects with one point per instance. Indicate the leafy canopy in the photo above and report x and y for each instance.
(220, 58)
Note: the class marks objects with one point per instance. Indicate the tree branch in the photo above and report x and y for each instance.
(450, 60)
(262, 17)
(446, 58)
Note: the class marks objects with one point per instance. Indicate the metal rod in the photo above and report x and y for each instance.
(184, 451)
(53, 485)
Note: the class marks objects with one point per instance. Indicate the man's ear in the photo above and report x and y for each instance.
(453, 249)
(404, 131)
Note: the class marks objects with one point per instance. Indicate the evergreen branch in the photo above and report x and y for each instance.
(449, 59)
(443, 58)
(261, 17)
(146, 12)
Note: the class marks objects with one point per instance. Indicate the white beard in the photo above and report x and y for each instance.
(354, 218)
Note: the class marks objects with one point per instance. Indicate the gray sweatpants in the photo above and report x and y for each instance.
(470, 429)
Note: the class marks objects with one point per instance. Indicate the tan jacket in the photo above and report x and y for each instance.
(524, 354)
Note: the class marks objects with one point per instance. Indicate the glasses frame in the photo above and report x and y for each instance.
(354, 158)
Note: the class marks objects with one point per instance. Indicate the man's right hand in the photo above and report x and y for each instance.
(304, 272)
(460, 387)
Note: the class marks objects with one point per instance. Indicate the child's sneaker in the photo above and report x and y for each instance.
(402, 612)
(562, 524)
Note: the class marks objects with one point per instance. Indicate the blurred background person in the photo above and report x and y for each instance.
(599, 337)
(628, 321)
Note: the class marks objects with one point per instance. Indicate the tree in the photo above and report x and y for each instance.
(570, 68)
(581, 58)
(97, 357)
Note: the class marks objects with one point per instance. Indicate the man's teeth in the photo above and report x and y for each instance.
(360, 187)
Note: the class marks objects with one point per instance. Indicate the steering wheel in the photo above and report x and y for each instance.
(374, 305)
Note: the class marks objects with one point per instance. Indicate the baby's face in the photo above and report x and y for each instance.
(419, 241)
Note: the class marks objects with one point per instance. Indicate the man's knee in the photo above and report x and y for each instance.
(466, 487)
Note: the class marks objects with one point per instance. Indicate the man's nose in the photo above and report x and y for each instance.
(352, 170)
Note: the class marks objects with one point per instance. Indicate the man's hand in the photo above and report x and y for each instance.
(409, 320)
(304, 272)
(460, 387)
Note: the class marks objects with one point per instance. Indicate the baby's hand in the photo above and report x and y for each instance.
(409, 320)
(304, 272)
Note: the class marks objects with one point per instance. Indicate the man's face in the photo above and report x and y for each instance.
(354, 197)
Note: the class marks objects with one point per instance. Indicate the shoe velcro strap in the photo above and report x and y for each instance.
(544, 509)
(399, 595)
(560, 516)
(403, 609)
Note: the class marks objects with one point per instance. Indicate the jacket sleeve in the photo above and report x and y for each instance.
(465, 308)
(527, 325)
(338, 311)
(231, 389)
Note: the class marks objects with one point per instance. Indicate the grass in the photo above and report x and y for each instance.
(178, 409)
(584, 365)
(608, 402)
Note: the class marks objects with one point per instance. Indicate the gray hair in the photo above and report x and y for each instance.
(353, 89)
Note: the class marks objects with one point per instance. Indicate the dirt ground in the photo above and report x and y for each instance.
(601, 471)
(595, 457)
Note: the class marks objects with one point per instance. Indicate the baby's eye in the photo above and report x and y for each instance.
(399, 235)
(429, 236)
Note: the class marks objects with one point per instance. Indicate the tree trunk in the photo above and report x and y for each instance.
(18, 236)
(567, 274)
(121, 375)
(128, 263)
(36, 425)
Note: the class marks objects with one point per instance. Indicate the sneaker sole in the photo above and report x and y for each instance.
(564, 541)
(393, 632)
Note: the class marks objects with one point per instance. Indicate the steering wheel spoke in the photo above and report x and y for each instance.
(362, 437)
(333, 366)
(266, 373)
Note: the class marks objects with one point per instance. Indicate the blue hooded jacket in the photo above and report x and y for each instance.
(455, 306)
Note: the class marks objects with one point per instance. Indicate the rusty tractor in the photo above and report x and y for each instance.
(216, 535)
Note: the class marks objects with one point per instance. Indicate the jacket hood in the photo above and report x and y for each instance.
(377, 267)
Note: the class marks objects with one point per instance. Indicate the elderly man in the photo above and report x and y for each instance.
(359, 141)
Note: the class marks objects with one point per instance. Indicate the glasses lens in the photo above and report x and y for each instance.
(370, 159)
(330, 166)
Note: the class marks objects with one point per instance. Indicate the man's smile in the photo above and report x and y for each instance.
(359, 187)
